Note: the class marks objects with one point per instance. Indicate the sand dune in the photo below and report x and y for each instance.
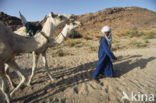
(135, 71)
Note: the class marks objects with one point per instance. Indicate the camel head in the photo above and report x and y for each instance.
(70, 26)
(65, 32)
(53, 20)
(58, 19)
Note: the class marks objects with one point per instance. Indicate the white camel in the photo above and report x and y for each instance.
(12, 44)
(42, 51)
(58, 40)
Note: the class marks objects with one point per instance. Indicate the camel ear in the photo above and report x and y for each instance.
(23, 19)
(51, 14)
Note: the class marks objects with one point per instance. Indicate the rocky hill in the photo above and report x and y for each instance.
(12, 22)
(118, 18)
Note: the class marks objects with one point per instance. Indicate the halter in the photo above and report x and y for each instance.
(63, 36)
(43, 34)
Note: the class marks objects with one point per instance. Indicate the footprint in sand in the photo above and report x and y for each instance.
(107, 89)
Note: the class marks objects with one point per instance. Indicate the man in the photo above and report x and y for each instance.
(104, 64)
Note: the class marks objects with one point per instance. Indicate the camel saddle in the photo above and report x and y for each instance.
(33, 28)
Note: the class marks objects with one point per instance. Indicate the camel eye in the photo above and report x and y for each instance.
(53, 15)
(74, 23)
(61, 17)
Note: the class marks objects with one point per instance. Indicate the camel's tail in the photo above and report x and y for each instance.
(24, 21)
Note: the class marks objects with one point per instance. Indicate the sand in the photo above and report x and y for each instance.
(135, 71)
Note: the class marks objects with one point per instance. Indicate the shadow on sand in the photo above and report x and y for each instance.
(83, 73)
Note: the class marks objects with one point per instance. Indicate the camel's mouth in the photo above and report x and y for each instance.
(77, 24)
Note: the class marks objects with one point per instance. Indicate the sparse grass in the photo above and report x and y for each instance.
(151, 35)
(72, 43)
(134, 32)
(75, 34)
(85, 36)
(98, 36)
(94, 49)
(115, 41)
(139, 41)
(115, 47)
(129, 43)
(59, 53)
(123, 33)
(139, 44)
(147, 41)
(81, 45)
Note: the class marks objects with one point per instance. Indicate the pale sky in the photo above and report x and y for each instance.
(35, 10)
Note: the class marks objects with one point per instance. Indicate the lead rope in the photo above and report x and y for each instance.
(45, 36)
(63, 36)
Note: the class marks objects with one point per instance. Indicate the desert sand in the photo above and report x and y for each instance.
(135, 71)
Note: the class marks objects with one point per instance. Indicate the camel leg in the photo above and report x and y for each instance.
(46, 66)
(4, 87)
(35, 60)
(8, 76)
(14, 66)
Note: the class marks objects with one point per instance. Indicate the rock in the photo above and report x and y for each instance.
(12, 22)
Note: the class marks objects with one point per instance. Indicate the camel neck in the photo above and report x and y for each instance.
(49, 28)
(61, 37)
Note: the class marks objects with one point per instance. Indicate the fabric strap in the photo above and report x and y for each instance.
(63, 36)
(45, 36)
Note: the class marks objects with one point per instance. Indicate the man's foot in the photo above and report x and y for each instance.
(100, 76)
(96, 81)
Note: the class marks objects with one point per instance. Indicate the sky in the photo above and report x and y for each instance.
(35, 10)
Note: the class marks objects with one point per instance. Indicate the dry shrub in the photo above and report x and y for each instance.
(75, 34)
(93, 48)
(59, 53)
(85, 36)
(138, 44)
(99, 36)
(150, 35)
(72, 43)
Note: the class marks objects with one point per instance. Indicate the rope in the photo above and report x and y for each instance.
(45, 36)
(63, 36)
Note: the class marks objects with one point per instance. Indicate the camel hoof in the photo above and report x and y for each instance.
(11, 94)
(28, 84)
(53, 79)
(14, 85)
(22, 87)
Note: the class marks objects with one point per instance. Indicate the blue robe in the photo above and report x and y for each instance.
(104, 65)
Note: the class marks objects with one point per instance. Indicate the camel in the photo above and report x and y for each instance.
(58, 40)
(42, 51)
(43, 48)
(12, 44)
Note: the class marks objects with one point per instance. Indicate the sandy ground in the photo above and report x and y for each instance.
(135, 71)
